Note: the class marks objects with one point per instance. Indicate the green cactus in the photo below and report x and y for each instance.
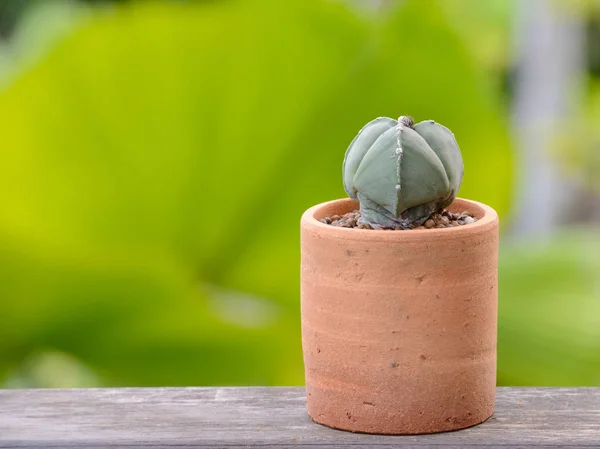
(401, 172)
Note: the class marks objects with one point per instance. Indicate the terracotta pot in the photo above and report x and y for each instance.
(399, 327)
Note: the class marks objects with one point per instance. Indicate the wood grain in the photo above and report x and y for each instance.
(269, 418)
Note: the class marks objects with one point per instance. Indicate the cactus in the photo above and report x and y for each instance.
(400, 172)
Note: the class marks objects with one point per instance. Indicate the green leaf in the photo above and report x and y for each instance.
(156, 162)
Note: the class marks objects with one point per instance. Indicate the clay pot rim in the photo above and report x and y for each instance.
(486, 218)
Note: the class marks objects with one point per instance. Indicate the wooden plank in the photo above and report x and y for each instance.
(271, 417)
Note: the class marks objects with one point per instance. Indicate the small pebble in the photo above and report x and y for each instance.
(445, 220)
(469, 220)
(454, 223)
(335, 217)
(429, 224)
(326, 220)
(441, 225)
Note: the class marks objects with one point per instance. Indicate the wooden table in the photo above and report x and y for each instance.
(270, 418)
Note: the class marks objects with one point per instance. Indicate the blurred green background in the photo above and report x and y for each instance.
(157, 156)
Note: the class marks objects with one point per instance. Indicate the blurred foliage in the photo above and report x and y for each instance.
(549, 311)
(593, 37)
(157, 157)
(37, 33)
(157, 160)
(10, 11)
(51, 369)
(577, 145)
(490, 22)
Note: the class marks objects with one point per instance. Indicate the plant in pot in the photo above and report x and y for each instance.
(399, 289)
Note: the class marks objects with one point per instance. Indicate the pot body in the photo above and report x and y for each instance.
(399, 327)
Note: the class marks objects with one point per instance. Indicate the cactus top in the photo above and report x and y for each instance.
(401, 172)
